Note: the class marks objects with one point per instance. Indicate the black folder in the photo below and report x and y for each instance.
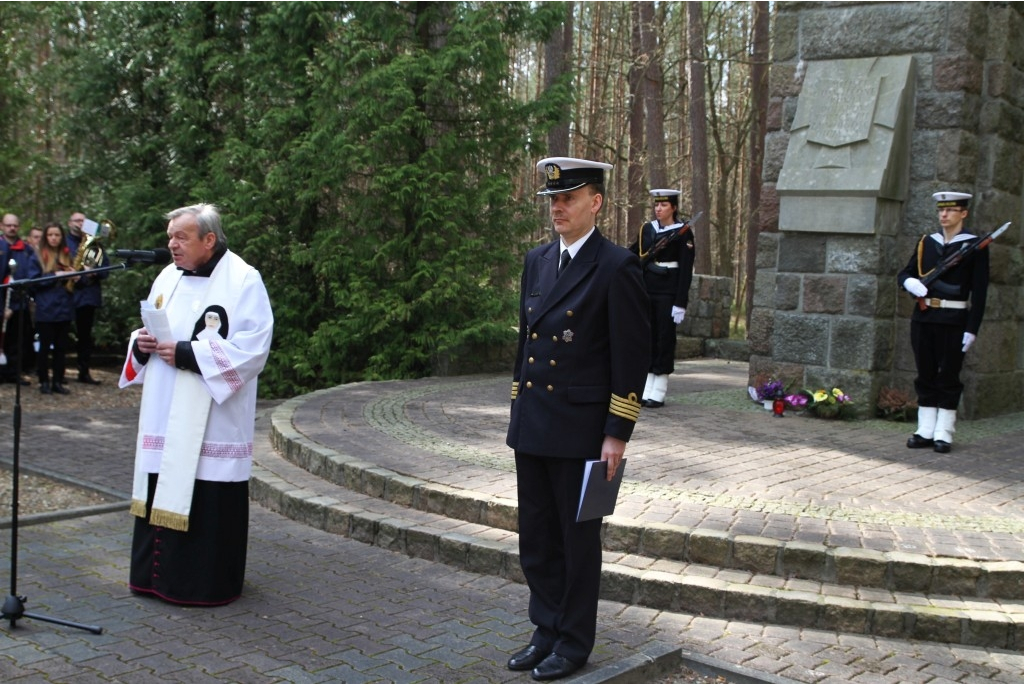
(597, 498)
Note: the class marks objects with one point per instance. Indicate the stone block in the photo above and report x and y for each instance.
(767, 250)
(364, 527)
(787, 291)
(664, 542)
(402, 490)
(702, 596)
(709, 547)
(911, 572)
(453, 549)
(755, 554)
(872, 29)
(750, 603)
(391, 535)
(775, 145)
(503, 514)
(620, 585)
(957, 72)
(802, 253)
(889, 620)
(853, 255)
(486, 557)
(956, 577)
(804, 560)
(660, 591)
(854, 342)
(798, 609)
(465, 506)
(800, 339)
(824, 294)
(987, 629)
(937, 625)
(845, 615)
(861, 567)
(759, 334)
(764, 288)
(421, 543)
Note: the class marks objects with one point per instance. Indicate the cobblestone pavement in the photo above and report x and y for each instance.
(323, 608)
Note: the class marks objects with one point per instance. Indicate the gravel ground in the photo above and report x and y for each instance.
(39, 494)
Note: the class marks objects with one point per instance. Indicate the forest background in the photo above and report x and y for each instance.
(376, 160)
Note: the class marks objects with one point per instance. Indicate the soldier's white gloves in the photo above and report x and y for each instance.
(677, 314)
(969, 339)
(915, 287)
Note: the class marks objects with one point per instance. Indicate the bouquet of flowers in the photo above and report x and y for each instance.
(823, 404)
(767, 389)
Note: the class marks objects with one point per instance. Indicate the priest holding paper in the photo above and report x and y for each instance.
(193, 454)
(582, 358)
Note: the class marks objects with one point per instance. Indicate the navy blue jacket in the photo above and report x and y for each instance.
(25, 257)
(53, 301)
(583, 352)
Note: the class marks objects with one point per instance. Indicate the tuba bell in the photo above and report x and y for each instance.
(90, 251)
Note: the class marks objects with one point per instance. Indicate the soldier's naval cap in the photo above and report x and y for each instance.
(949, 199)
(563, 174)
(666, 195)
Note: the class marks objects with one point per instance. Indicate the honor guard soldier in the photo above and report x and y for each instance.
(667, 256)
(584, 339)
(946, 323)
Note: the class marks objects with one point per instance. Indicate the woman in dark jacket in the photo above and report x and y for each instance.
(55, 309)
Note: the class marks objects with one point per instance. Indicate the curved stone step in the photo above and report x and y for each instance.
(890, 571)
(377, 510)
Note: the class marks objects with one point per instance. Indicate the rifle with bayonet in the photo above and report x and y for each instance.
(952, 260)
(669, 239)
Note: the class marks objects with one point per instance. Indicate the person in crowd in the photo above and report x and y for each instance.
(18, 334)
(54, 308)
(196, 421)
(88, 300)
(945, 324)
(667, 256)
(35, 234)
(581, 359)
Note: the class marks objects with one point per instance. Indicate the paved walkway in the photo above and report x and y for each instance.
(323, 608)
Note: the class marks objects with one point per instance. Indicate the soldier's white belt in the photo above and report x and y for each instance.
(667, 265)
(936, 303)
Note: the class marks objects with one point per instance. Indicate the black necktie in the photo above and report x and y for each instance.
(564, 261)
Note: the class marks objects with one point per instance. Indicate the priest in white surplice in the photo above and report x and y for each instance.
(193, 454)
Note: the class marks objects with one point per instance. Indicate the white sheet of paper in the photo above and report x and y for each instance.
(89, 227)
(155, 321)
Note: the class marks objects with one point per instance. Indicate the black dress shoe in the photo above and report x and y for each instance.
(61, 389)
(942, 446)
(915, 441)
(44, 388)
(526, 658)
(86, 378)
(653, 404)
(553, 668)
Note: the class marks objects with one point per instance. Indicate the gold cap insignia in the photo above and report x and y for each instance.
(553, 171)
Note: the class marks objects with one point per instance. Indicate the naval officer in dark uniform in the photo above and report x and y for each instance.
(582, 358)
(946, 326)
(668, 273)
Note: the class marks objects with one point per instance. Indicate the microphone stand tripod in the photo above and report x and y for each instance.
(14, 605)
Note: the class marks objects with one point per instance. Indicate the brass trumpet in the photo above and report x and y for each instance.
(90, 251)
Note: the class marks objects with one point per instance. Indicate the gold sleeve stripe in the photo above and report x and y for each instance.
(625, 407)
(515, 390)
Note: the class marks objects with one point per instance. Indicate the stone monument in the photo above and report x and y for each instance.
(873, 108)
